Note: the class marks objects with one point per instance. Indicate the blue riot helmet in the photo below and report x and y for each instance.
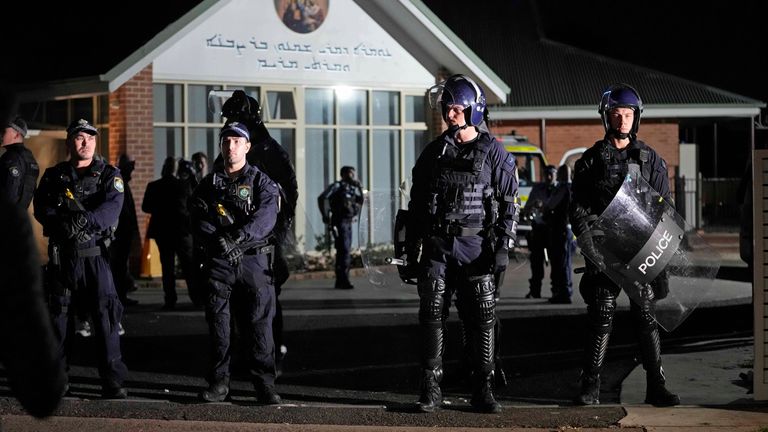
(620, 96)
(459, 90)
(242, 108)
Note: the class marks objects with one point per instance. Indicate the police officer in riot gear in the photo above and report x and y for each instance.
(462, 221)
(18, 167)
(340, 204)
(78, 204)
(233, 213)
(273, 160)
(598, 176)
(538, 236)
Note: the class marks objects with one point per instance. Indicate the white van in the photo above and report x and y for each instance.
(531, 163)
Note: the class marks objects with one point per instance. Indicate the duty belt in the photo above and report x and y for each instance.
(90, 252)
(458, 230)
(258, 250)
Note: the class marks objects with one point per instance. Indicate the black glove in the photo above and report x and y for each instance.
(660, 286)
(588, 249)
(72, 224)
(502, 255)
(230, 250)
(82, 237)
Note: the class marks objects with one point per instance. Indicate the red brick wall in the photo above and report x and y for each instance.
(130, 130)
(563, 135)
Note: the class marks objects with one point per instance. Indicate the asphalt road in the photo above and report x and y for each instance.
(353, 360)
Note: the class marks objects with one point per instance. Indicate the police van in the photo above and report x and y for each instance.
(531, 163)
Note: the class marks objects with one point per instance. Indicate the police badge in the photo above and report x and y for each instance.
(119, 186)
(244, 192)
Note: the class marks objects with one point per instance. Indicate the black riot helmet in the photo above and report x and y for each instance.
(459, 90)
(242, 108)
(620, 96)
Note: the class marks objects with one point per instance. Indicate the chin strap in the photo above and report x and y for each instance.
(620, 135)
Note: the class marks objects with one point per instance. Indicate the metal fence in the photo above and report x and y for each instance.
(707, 202)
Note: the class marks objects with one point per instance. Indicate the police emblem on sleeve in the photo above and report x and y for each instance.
(14, 171)
(119, 186)
(244, 192)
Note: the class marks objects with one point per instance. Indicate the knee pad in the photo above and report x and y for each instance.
(643, 316)
(601, 309)
(483, 311)
(431, 295)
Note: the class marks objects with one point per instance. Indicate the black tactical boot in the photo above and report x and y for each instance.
(482, 394)
(114, 393)
(267, 395)
(656, 392)
(217, 392)
(501, 376)
(590, 390)
(431, 396)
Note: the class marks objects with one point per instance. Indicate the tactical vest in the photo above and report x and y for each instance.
(344, 201)
(614, 168)
(236, 197)
(93, 182)
(30, 178)
(462, 190)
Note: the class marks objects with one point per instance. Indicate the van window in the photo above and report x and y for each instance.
(530, 167)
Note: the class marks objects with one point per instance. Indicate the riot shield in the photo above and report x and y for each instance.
(651, 252)
(377, 234)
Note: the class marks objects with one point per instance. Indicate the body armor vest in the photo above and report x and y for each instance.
(236, 197)
(615, 165)
(461, 189)
(344, 202)
(85, 188)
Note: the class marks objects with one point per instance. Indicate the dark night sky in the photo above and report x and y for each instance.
(719, 43)
(701, 40)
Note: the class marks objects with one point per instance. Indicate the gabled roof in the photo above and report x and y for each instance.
(548, 79)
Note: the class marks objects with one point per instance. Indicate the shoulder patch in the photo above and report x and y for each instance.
(510, 159)
(119, 186)
(14, 171)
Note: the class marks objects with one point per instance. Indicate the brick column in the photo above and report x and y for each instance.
(130, 131)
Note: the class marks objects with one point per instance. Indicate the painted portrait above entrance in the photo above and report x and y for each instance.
(302, 16)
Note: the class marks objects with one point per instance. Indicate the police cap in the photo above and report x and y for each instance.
(19, 125)
(81, 126)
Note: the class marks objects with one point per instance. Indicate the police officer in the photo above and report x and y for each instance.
(18, 167)
(462, 216)
(273, 160)
(233, 212)
(538, 237)
(598, 176)
(559, 238)
(30, 351)
(78, 204)
(340, 204)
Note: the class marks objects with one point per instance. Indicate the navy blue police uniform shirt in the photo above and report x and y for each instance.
(251, 198)
(102, 205)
